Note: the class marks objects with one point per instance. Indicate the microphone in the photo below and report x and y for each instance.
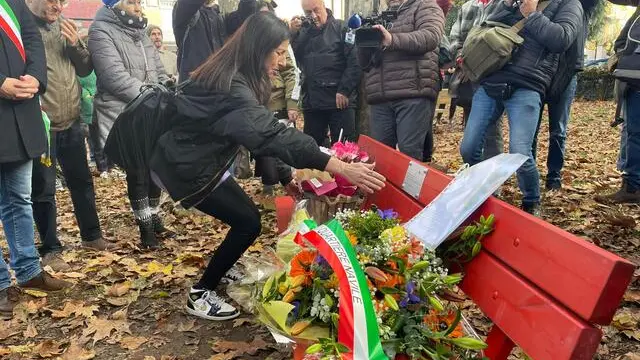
(355, 21)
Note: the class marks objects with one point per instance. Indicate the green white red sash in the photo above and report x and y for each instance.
(358, 325)
(10, 25)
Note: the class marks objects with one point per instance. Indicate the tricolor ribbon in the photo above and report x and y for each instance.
(358, 325)
(10, 25)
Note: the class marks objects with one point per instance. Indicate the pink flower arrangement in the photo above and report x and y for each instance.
(349, 152)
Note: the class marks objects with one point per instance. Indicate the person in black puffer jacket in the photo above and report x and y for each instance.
(222, 108)
(199, 31)
(520, 86)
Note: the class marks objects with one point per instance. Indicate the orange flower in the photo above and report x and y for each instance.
(301, 265)
(392, 282)
(440, 322)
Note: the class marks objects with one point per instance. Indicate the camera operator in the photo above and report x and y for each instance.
(323, 47)
(403, 87)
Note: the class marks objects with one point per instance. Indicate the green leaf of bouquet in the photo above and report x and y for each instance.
(468, 343)
(390, 291)
(342, 348)
(314, 349)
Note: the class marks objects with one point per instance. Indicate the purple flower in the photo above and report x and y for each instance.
(387, 214)
(296, 309)
(411, 297)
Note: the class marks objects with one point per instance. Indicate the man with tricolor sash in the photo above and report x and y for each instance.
(23, 77)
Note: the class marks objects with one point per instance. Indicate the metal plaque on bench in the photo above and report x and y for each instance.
(414, 178)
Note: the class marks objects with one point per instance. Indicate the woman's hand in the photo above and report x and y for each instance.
(359, 174)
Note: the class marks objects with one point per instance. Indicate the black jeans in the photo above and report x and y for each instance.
(140, 186)
(229, 204)
(68, 148)
(316, 124)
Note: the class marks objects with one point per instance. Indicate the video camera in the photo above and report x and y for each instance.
(366, 35)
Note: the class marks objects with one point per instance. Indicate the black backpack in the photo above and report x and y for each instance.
(135, 132)
(628, 67)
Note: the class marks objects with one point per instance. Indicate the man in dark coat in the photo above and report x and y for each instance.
(23, 77)
(326, 55)
(520, 86)
(199, 31)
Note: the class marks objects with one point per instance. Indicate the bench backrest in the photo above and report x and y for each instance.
(541, 286)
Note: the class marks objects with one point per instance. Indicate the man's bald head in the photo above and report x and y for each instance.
(316, 11)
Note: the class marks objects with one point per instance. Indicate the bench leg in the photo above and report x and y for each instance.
(500, 345)
(285, 206)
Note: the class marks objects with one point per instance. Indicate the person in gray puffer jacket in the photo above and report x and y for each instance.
(124, 59)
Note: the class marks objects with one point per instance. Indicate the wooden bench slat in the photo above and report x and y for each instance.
(542, 328)
(588, 280)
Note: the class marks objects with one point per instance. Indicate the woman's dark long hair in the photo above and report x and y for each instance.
(245, 53)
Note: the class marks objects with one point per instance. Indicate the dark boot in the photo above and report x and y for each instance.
(626, 195)
(533, 209)
(6, 305)
(159, 228)
(147, 234)
(46, 282)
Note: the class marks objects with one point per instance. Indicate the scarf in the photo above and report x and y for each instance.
(135, 22)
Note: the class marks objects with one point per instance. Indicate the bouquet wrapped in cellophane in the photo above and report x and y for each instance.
(360, 287)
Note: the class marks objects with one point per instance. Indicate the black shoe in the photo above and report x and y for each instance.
(147, 234)
(553, 185)
(533, 209)
(159, 228)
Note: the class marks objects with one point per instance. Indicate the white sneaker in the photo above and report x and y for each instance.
(208, 305)
(234, 274)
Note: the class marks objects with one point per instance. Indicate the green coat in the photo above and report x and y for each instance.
(88, 84)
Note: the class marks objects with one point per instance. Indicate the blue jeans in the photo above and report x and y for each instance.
(622, 156)
(523, 110)
(631, 166)
(17, 219)
(559, 113)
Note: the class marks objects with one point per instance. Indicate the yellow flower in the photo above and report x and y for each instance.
(352, 238)
(396, 234)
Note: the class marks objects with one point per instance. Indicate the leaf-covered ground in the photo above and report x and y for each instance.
(128, 304)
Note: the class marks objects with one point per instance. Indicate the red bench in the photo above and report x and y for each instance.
(544, 289)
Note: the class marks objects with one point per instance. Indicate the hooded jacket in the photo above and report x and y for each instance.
(124, 59)
(409, 67)
(207, 132)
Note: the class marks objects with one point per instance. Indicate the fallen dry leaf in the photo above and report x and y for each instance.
(118, 290)
(619, 219)
(4, 351)
(7, 330)
(21, 349)
(632, 296)
(102, 328)
(241, 322)
(30, 332)
(75, 307)
(36, 293)
(74, 275)
(47, 349)
(189, 326)
(240, 347)
(76, 351)
(132, 342)
(631, 356)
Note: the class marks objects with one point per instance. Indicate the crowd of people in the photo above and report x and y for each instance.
(245, 79)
